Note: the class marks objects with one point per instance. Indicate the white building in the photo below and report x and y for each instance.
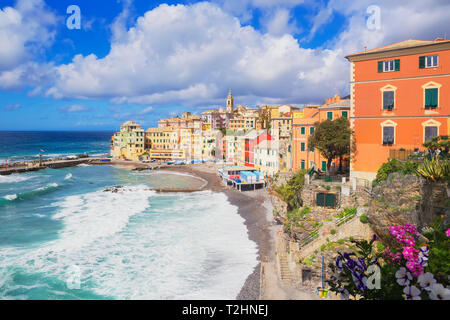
(267, 157)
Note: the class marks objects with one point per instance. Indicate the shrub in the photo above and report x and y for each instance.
(434, 170)
(333, 231)
(363, 218)
(394, 165)
(305, 211)
(290, 192)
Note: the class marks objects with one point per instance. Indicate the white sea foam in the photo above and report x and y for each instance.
(50, 185)
(15, 178)
(136, 244)
(68, 176)
(83, 165)
(10, 197)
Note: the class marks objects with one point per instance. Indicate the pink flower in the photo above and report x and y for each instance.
(448, 232)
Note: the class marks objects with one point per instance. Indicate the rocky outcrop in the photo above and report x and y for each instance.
(114, 189)
(405, 199)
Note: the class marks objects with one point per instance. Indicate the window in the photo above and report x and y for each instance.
(311, 130)
(324, 166)
(302, 130)
(302, 164)
(302, 146)
(430, 132)
(428, 61)
(345, 114)
(330, 115)
(431, 98)
(388, 135)
(388, 100)
(389, 65)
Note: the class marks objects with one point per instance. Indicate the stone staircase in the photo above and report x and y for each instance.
(286, 275)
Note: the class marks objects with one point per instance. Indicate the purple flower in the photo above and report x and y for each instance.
(361, 264)
(360, 281)
(338, 263)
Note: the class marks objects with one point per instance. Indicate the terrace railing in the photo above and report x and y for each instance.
(309, 238)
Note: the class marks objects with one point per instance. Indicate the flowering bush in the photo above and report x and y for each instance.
(406, 270)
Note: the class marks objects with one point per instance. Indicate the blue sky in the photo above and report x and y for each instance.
(143, 60)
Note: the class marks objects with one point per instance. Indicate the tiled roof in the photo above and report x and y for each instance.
(410, 43)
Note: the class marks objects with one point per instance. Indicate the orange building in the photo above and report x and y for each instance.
(303, 127)
(400, 98)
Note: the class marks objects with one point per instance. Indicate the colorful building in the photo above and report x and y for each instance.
(129, 143)
(163, 143)
(303, 127)
(267, 158)
(187, 120)
(399, 99)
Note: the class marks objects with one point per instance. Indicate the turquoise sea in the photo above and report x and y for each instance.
(63, 237)
(27, 145)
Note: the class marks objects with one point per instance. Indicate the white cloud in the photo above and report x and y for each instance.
(415, 19)
(279, 22)
(25, 31)
(146, 111)
(74, 108)
(193, 55)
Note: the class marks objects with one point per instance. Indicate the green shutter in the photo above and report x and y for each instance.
(397, 64)
(345, 114)
(434, 97)
(302, 130)
(311, 130)
(302, 164)
(329, 200)
(330, 115)
(380, 66)
(320, 199)
(431, 98)
(302, 146)
(422, 62)
(324, 166)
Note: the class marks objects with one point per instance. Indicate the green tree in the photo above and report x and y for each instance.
(332, 139)
(290, 192)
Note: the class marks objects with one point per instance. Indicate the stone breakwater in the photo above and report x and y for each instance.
(49, 164)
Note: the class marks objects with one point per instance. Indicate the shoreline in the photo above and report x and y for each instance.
(255, 207)
(252, 207)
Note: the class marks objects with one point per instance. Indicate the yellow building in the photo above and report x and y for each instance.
(129, 142)
(164, 143)
(210, 138)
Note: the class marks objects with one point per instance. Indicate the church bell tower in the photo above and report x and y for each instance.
(230, 103)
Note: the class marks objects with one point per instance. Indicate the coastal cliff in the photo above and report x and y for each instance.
(406, 199)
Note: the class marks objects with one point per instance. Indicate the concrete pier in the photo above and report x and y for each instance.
(48, 164)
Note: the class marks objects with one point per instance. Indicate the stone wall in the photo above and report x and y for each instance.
(348, 198)
(406, 199)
